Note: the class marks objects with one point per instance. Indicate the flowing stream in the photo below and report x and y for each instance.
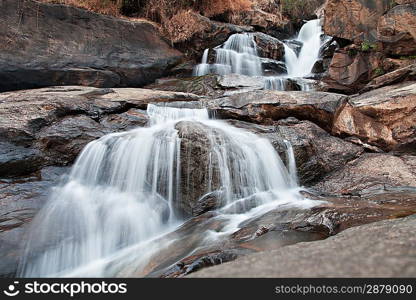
(124, 190)
(239, 55)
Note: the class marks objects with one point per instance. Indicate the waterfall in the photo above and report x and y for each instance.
(237, 55)
(310, 37)
(124, 189)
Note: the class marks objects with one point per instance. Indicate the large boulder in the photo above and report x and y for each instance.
(265, 107)
(384, 117)
(50, 44)
(369, 173)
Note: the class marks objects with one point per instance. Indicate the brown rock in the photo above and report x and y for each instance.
(372, 171)
(354, 20)
(384, 117)
(397, 30)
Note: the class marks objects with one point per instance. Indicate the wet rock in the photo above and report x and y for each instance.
(47, 45)
(20, 200)
(268, 46)
(318, 67)
(372, 171)
(195, 151)
(397, 30)
(382, 249)
(265, 107)
(384, 117)
(272, 67)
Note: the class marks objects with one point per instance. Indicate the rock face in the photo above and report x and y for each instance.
(382, 249)
(370, 172)
(384, 117)
(268, 106)
(45, 44)
(397, 30)
(354, 20)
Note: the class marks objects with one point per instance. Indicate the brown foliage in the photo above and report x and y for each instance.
(107, 7)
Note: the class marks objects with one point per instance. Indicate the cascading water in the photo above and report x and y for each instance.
(124, 188)
(310, 38)
(239, 55)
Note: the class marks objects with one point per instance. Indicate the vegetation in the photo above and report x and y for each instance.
(368, 46)
(178, 19)
(379, 71)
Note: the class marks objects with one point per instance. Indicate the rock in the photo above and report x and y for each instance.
(20, 200)
(384, 117)
(64, 140)
(382, 249)
(202, 85)
(347, 74)
(397, 30)
(210, 85)
(49, 44)
(51, 125)
(195, 150)
(316, 152)
(372, 171)
(131, 119)
(407, 73)
(354, 20)
(17, 160)
(265, 107)
(272, 67)
(318, 67)
(268, 46)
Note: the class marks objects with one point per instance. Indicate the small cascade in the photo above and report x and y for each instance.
(238, 55)
(124, 190)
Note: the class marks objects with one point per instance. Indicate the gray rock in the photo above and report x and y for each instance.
(49, 44)
(382, 249)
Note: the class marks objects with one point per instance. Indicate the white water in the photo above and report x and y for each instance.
(310, 37)
(122, 191)
(239, 55)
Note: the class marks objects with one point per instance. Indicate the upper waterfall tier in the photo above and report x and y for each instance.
(239, 55)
